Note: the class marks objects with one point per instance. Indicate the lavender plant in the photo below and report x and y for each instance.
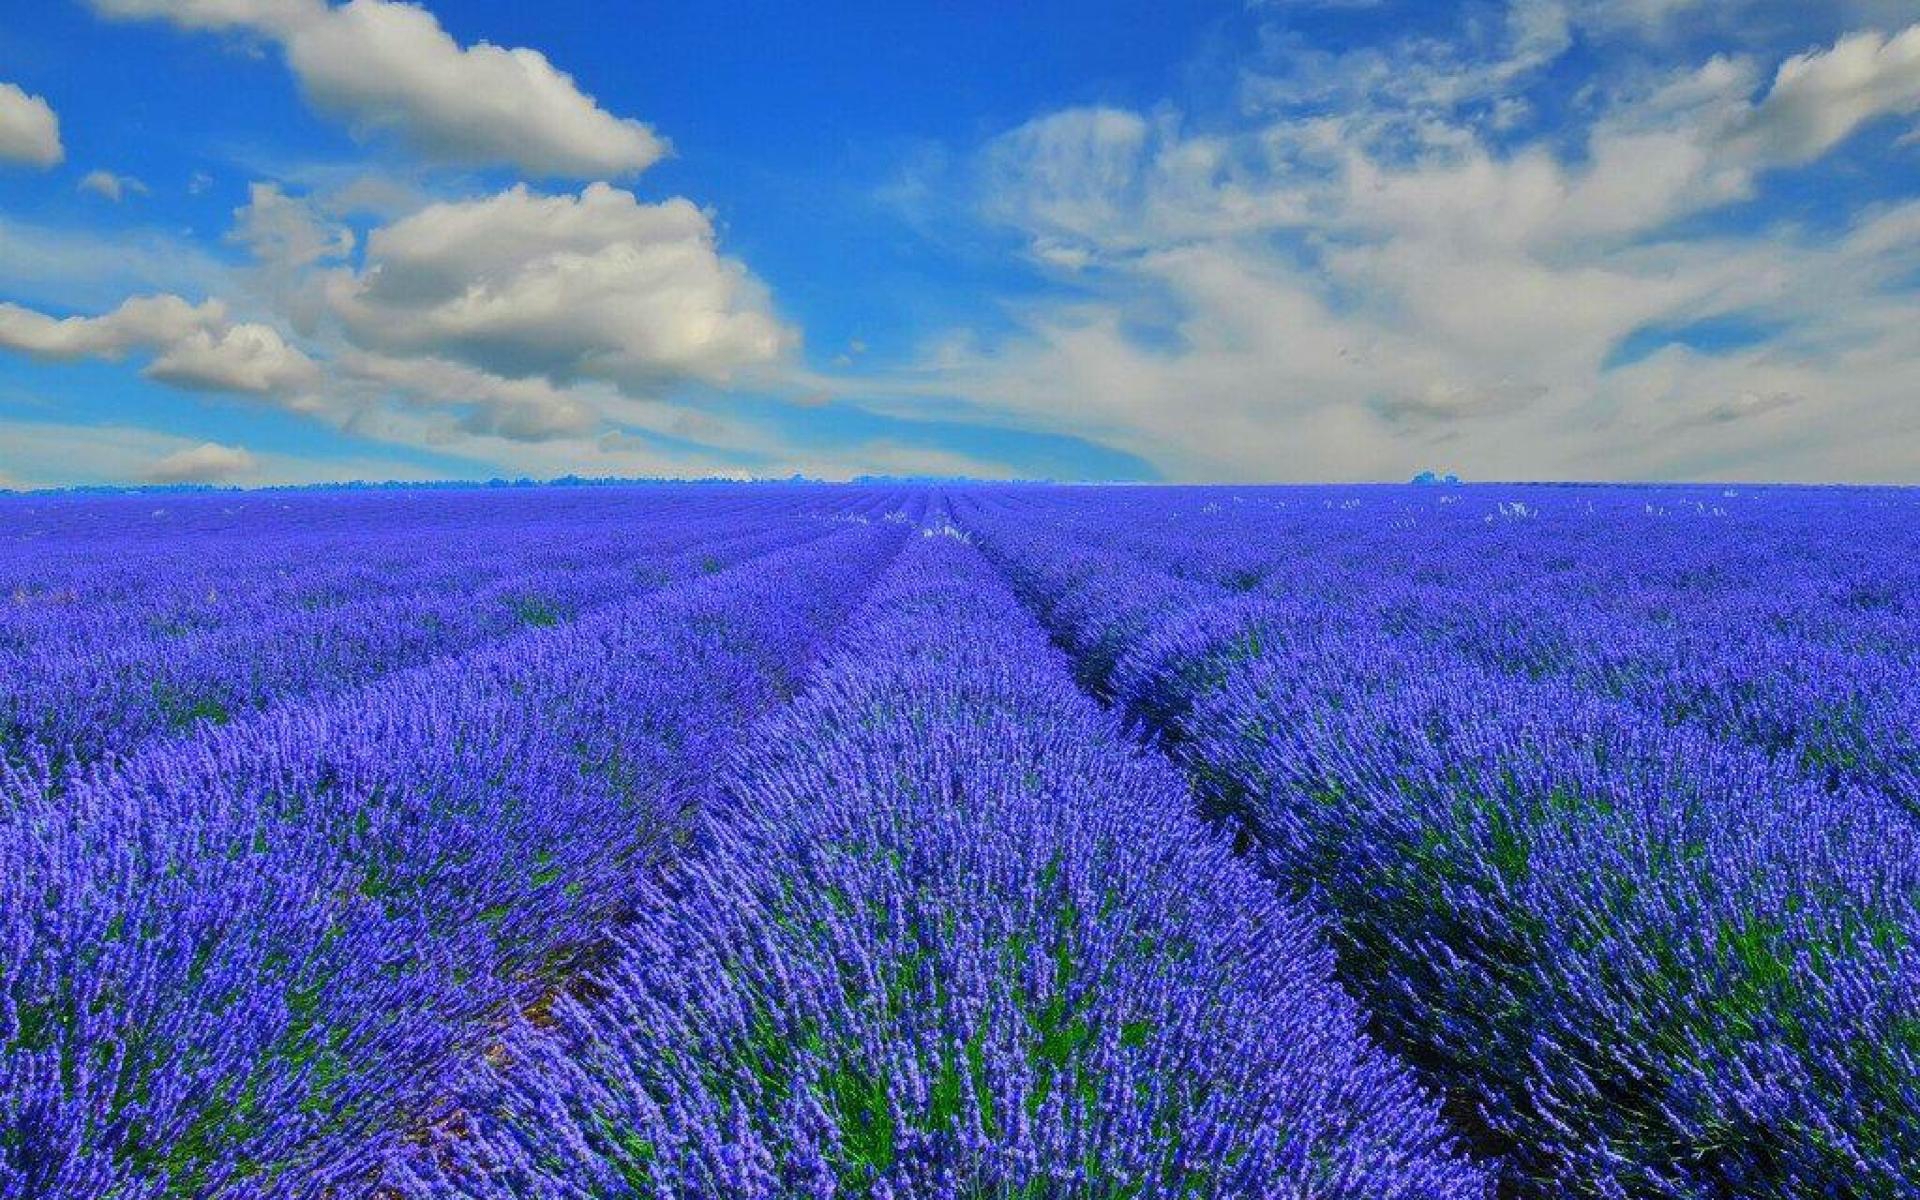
(236, 964)
(1642, 951)
(950, 933)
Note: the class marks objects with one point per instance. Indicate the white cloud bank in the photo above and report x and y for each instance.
(388, 67)
(1370, 270)
(486, 326)
(29, 130)
(1367, 291)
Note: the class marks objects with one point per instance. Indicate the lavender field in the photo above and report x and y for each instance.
(969, 842)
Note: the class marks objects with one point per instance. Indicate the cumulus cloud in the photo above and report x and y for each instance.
(29, 130)
(209, 462)
(248, 358)
(520, 327)
(108, 186)
(388, 67)
(594, 286)
(195, 346)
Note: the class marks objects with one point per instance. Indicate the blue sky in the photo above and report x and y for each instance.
(256, 241)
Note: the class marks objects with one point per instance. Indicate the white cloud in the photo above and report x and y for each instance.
(597, 286)
(1693, 142)
(109, 186)
(1487, 367)
(248, 358)
(1077, 170)
(196, 346)
(1090, 180)
(29, 130)
(209, 462)
(388, 67)
(1315, 301)
(285, 232)
(519, 327)
(143, 322)
(1421, 73)
(516, 328)
(520, 410)
(286, 237)
(371, 193)
(1819, 98)
(1538, 33)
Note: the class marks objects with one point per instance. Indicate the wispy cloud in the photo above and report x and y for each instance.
(1360, 278)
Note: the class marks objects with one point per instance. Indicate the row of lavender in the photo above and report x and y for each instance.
(125, 620)
(1783, 618)
(946, 931)
(239, 962)
(1606, 795)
